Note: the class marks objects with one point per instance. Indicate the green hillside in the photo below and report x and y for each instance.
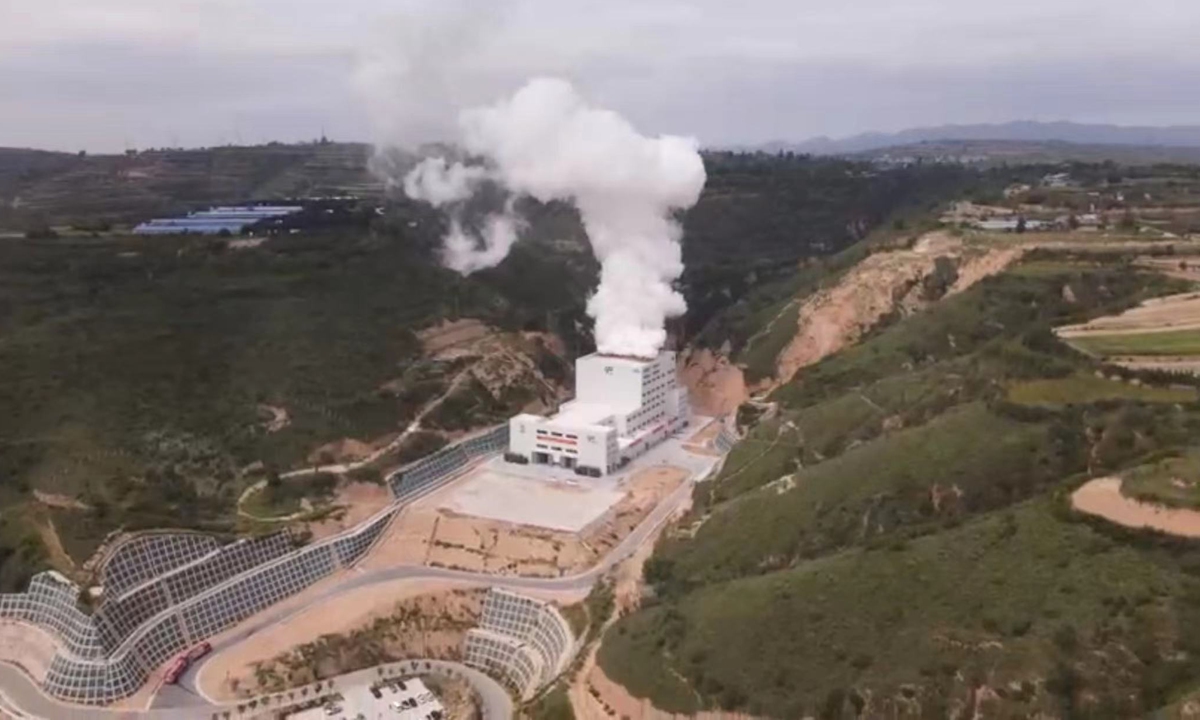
(893, 540)
(139, 373)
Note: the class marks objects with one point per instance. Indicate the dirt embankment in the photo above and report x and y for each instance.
(883, 283)
(359, 501)
(28, 647)
(367, 626)
(1103, 498)
(715, 386)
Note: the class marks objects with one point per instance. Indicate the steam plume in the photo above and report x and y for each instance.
(546, 142)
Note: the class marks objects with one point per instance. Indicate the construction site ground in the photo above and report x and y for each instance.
(357, 502)
(231, 673)
(428, 532)
(498, 490)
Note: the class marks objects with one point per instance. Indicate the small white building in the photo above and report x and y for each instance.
(623, 406)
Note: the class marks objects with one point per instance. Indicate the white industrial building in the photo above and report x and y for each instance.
(623, 406)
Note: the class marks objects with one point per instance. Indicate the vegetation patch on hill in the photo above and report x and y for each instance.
(1173, 481)
(1090, 389)
(891, 538)
(1173, 342)
(1052, 617)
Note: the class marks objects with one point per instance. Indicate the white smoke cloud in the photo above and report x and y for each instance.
(466, 253)
(546, 142)
(438, 183)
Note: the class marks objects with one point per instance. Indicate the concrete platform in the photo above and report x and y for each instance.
(524, 498)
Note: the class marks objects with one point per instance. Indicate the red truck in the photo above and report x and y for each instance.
(198, 652)
(175, 669)
(181, 663)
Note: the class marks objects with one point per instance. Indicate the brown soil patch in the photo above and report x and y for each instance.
(28, 647)
(715, 386)
(230, 674)
(883, 283)
(588, 700)
(1185, 268)
(1103, 498)
(345, 450)
(644, 491)
(447, 334)
(1174, 312)
(278, 418)
(360, 500)
(58, 554)
(65, 502)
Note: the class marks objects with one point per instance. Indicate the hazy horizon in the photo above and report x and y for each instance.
(106, 75)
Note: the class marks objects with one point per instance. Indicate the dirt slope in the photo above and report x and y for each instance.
(883, 283)
(716, 386)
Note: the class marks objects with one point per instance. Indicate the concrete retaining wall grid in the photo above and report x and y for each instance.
(166, 592)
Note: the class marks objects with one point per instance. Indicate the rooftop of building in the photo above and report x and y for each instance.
(623, 359)
(582, 414)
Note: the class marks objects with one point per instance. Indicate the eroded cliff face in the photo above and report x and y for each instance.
(715, 385)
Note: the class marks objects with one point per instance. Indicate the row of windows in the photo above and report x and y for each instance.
(555, 433)
(568, 451)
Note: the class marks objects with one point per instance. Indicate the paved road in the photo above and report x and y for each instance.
(580, 582)
(187, 701)
(23, 698)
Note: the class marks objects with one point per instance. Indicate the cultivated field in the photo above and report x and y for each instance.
(1085, 389)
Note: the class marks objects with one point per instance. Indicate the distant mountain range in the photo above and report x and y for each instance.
(1022, 131)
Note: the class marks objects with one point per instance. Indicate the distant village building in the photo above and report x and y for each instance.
(218, 220)
(1010, 224)
(1057, 180)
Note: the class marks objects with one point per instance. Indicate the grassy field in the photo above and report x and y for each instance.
(1090, 389)
(1172, 342)
(1172, 481)
(1009, 600)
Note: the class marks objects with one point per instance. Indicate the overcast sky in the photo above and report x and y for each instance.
(111, 74)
